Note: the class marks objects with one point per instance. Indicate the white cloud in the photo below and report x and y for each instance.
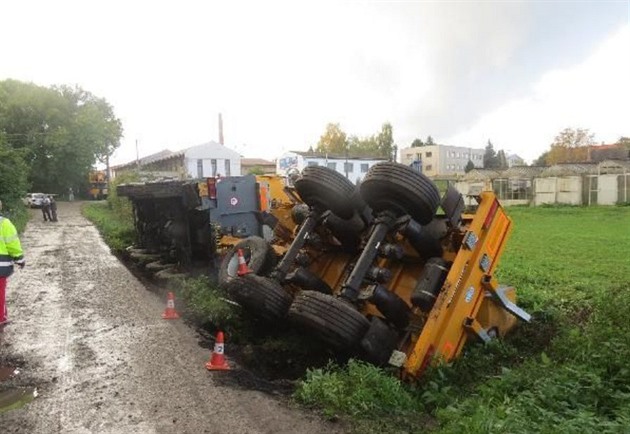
(593, 95)
(277, 70)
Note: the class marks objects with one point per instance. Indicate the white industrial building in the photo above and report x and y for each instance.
(201, 161)
(353, 168)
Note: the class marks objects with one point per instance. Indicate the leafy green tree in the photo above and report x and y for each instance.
(541, 161)
(429, 141)
(417, 143)
(469, 166)
(385, 141)
(625, 142)
(13, 175)
(362, 147)
(333, 141)
(490, 160)
(60, 131)
(256, 170)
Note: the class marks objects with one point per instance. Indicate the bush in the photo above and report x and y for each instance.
(17, 213)
(117, 231)
(207, 303)
(13, 185)
(373, 398)
(121, 205)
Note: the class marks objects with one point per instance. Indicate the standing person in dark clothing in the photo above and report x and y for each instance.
(53, 208)
(46, 209)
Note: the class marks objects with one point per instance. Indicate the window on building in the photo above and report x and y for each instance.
(228, 169)
(429, 154)
(213, 165)
(429, 167)
(348, 167)
(200, 168)
(513, 189)
(332, 166)
(365, 167)
(312, 163)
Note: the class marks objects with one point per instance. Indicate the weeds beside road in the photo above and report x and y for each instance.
(565, 372)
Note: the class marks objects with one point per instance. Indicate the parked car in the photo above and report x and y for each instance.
(34, 200)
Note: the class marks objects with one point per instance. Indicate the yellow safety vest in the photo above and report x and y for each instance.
(10, 247)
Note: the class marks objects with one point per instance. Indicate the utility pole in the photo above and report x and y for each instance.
(137, 156)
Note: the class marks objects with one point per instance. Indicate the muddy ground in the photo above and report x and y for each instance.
(89, 336)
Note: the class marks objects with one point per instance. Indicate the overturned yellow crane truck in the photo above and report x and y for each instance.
(194, 221)
(388, 271)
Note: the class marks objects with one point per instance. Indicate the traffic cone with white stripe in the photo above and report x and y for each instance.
(243, 269)
(217, 359)
(170, 312)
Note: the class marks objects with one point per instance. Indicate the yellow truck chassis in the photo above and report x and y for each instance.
(377, 271)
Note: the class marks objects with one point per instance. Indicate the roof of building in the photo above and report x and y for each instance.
(256, 162)
(146, 160)
(453, 147)
(614, 166)
(604, 146)
(522, 172)
(569, 169)
(479, 174)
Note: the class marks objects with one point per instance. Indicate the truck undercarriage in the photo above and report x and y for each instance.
(387, 270)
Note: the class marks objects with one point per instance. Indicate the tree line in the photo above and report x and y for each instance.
(50, 137)
(336, 142)
(577, 145)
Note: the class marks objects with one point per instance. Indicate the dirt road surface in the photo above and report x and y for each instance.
(89, 336)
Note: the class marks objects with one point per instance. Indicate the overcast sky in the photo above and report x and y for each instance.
(463, 72)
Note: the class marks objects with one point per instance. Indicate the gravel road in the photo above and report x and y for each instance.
(90, 337)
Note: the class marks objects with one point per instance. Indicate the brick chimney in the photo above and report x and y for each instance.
(221, 129)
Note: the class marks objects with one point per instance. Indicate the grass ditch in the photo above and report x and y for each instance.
(565, 372)
(117, 232)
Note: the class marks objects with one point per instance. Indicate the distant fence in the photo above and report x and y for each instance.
(585, 189)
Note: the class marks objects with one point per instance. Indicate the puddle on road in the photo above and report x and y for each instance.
(7, 372)
(16, 398)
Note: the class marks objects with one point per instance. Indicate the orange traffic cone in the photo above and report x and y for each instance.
(217, 359)
(243, 269)
(170, 312)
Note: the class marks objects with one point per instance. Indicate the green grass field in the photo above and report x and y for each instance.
(567, 371)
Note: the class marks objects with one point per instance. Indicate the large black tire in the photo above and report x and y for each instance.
(258, 254)
(347, 231)
(261, 296)
(379, 342)
(325, 189)
(400, 189)
(331, 319)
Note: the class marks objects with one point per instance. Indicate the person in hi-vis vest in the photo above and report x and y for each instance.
(10, 254)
